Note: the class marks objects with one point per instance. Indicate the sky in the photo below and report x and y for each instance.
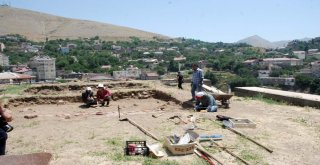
(206, 20)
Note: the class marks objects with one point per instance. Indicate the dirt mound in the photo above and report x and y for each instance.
(139, 94)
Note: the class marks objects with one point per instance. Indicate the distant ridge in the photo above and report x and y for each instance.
(37, 26)
(258, 41)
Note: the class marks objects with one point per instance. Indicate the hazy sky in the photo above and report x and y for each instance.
(207, 20)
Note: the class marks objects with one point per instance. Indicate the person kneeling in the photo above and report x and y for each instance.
(205, 102)
(87, 97)
(103, 95)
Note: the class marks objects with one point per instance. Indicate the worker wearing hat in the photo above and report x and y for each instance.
(103, 95)
(87, 97)
(205, 102)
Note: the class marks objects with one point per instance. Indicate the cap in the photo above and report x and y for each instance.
(89, 89)
(199, 94)
(100, 85)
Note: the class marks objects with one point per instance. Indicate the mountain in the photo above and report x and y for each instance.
(257, 41)
(37, 26)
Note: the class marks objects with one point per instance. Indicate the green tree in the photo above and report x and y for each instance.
(303, 81)
(212, 77)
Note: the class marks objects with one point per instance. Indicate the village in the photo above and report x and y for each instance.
(91, 135)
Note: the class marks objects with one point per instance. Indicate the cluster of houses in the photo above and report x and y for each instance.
(276, 63)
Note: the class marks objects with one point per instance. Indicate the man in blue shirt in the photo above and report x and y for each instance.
(196, 81)
(205, 102)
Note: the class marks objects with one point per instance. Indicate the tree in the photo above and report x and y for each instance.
(160, 70)
(173, 66)
(212, 77)
(303, 81)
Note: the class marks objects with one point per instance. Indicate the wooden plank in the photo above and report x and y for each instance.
(231, 153)
(143, 129)
(247, 137)
(200, 148)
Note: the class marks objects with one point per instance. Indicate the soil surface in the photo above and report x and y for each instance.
(77, 135)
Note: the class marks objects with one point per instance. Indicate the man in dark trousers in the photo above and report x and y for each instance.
(5, 117)
(180, 80)
(103, 95)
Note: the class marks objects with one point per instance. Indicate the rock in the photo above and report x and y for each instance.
(77, 114)
(67, 117)
(61, 102)
(99, 113)
(144, 92)
(135, 105)
(158, 101)
(30, 116)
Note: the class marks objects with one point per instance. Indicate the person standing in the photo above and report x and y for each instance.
(5, 117)
(196, 81)
(180, 80)
(103, 95)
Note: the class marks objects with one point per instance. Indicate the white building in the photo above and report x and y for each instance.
(132, 73)
(315, 68)
(2, 47)
(44, 66)
(281, 61)
(290, 81)
(300, 54)
(4, 60)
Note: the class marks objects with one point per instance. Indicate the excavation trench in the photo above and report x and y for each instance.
(136, 94)
(58, 89)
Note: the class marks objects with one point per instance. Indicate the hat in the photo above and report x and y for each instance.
(88, 89)
(100, 85)
(199, 95)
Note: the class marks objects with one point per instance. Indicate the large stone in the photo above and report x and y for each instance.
(30, 116)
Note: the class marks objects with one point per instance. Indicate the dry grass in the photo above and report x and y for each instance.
(37, 26)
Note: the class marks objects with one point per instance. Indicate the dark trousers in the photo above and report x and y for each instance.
(106, 99)
(180, 85)
(3, 140)
(91, 102)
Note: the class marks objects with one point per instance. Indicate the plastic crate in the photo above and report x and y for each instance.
(136, 148)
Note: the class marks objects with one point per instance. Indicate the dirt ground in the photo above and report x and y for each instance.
(76, 135)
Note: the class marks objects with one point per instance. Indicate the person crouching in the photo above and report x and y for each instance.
(103, 95)
(87, 97)
(205, 102)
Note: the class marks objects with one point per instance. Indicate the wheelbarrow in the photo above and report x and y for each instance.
(218, 95)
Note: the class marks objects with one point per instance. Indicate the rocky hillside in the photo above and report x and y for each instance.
(37, 26)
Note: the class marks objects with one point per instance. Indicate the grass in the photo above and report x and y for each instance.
(92, 135)
(32, 124)
(213, 150)
(252, 156)
(16, 89)
(270, 101)
(263, 135)
(242, 141)
(115, 142)
(317, 129)
(199, 161)
(300, 120)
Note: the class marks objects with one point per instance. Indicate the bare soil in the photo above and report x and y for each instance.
(76, 135)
